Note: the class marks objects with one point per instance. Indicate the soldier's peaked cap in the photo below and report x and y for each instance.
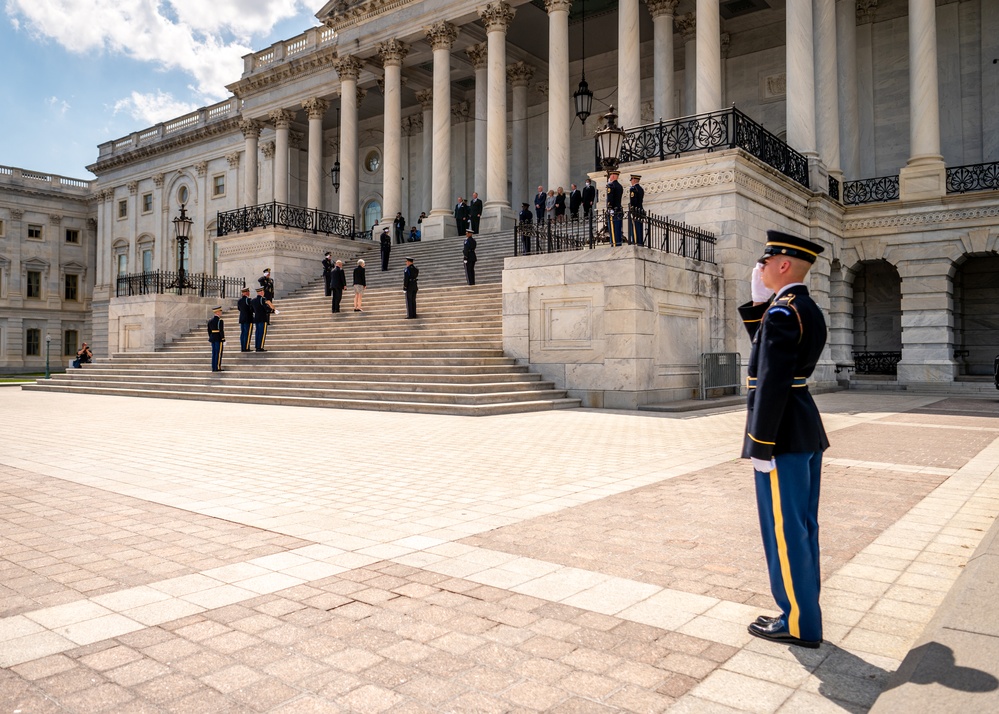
(260, 290)
(779, 243)
(217, 308)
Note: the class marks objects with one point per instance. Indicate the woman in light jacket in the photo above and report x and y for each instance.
(359, 284)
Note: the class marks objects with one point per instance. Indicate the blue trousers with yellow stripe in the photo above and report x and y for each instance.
(788, 502)
(614, 228)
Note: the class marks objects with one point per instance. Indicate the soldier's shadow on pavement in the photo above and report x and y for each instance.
(854, 684)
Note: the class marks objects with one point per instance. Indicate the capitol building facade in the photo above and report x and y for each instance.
(868, 126)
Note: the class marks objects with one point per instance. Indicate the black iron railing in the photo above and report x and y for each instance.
(726, 129)
(877, 362)
(658, 233)
(872, 190)
(976, 177)
(311, 220)
(833, 188)
(166, 281)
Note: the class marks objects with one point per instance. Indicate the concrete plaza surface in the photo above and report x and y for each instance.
(177, 556)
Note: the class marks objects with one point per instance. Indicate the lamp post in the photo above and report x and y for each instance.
(48, 346)
(335, 173)
(182, 226)
(609, 140)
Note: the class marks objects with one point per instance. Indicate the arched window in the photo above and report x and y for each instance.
(372, 213)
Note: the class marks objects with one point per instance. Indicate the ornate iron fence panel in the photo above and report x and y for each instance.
(872, 190)
(976, 177)
(168, 281)
(310, 220)
(553, 236)
(833, 188)
(877, 362)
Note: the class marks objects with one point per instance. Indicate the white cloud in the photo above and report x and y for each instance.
(153, 107)
(60, 105)
(204, 38)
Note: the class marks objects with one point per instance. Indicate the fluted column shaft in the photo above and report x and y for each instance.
(251, 137)
(316, 109)
(687, 27)
(924, 108)
(348, 68)
(496, 17)
(559, 107)
(849, 108)
(662, 60)
(800, 77)
(441, 36)
(629, 69)
(282, 124)
(479, 57)
(826, 92)
(519, 75)
(708, 57)
(426, 99)
(392, 53)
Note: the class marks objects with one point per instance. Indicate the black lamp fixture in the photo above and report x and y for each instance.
(335, 173)
(182, 226)
(583, 97)
(609, 140)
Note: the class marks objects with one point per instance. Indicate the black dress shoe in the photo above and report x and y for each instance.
(776, 631)
(261, 350)
(767, 619)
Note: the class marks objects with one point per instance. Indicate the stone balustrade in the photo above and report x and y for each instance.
(227, 109)
(311, 39)
(24, 177)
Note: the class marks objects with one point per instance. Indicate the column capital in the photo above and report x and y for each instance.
(315, 107)
(295, 139)
(268, 149)
(133, 186)
(392, 52)
(413, 124)
(865, 11)
(497, 16)
(687, 26)
(281, 118)
(542, 88)
(478, 55)
(519, 74)
(17, 214)
(347, 67)
(658, 8)
(55, 219)
(556, 5)
(158, 180)
(461, 111)
(726, 44)
(201, 168)
(441, 35)
(233, 159)
(361, 94)
(250, 128)
(426, 98)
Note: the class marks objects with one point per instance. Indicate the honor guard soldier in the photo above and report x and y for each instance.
(216, 336)
(385, 245)
(327, 271)
(245, 307)
(784, 434)
(615, 192)
(262, 309)
(468, 257)
(636, 212)
(267, 284)
(410, 276)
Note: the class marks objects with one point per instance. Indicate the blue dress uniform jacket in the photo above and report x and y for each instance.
(788, 337)
(615, 192)
(245, 307)
(216, 335)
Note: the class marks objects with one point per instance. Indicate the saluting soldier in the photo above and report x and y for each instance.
(615, 192)
(216, 336)
(245, 307)
(267, 283)
(784, 434)
(636, 212)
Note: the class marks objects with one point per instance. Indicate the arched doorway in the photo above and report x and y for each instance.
(877, 317)
(372, 213)
(976, 320)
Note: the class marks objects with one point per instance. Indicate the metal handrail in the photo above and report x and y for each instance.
(311, 220)
(163, 281)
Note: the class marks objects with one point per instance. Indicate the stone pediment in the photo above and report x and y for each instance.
(73, 267)
(34, 264)
(343, 13)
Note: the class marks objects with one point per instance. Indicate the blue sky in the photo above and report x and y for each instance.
(82, 72)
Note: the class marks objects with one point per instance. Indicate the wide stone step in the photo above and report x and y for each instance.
(292, 373)
(323, 369)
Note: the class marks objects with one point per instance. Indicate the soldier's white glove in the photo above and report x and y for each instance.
(760, 292)
(764, 465)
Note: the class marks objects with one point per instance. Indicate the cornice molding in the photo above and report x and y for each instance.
(311, 63)
(346, 15)
(225, 126)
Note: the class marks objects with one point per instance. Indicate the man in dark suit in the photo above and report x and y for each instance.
(539, 203)
(615, 191)
(245, 307)
(575, 201)
(386, 247)
(461, 215)
(589, 195)
(468, 256)
(262, 309)
(475, 212)
(338, 280)
(327, 269)
(410, 277)
(636, 211)
(216, 335)
(399, 223)
(784, 435)
(267, 283)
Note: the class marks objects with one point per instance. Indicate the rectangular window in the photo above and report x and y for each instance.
(72, 287)
(122, 264)
(147, 203)
(147, 261)
(34, 231)
(72, 235)
(1, 229)
(218, 185)
(34, 284)
(69, 338)
(33, 343)
(123, 208)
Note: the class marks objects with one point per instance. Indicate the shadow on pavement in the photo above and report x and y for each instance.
(934, 663)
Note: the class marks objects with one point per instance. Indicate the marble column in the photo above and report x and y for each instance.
(800, 63)
(662, 59)
(865, 88)
(479, 57)
(629, 68)
(316, 109)
(924, 176)
(559, 98)
(426, 99)
(441, 36)
(687, 27)
(251, 135)
(392, 53)
(282, 125)
(708, 39)
(348, 68)
(726, 45)
(927, 321)
(849, 112)
(826, 92)
(496, 17)
(520, 75)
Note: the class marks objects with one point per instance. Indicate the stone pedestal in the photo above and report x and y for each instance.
(438, 226)
(496, 217)
(143, 323)
(923, 179)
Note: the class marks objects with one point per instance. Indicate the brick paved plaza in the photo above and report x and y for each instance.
(176, 556)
